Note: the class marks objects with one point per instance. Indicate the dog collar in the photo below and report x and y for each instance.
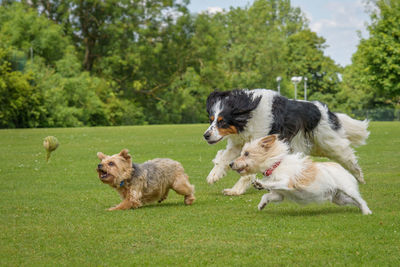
(122, 183)
(270, 170)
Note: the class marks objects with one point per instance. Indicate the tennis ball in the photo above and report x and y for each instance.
(50, 143)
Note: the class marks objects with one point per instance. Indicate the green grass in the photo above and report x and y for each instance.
(55, 213)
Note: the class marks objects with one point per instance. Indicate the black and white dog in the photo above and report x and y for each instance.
(241, 116)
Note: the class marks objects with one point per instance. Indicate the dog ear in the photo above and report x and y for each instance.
(101, 156)
(214, 97)
(124, 154)
(267, 141)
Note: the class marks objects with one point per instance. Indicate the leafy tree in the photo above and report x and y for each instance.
(49, 89)
(20, 102)
(250, 47)
(95, 62)
(256, 45)
(87, 22)
(74, 98)
(184, 100)
(305, 57)
(373, 79)
(23, 30)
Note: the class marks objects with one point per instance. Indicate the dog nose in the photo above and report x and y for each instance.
(207, 135)
(100, 166)
(231, 164)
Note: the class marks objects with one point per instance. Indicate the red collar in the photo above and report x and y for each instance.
(270, 170)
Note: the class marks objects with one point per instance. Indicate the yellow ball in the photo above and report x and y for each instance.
(50, 143)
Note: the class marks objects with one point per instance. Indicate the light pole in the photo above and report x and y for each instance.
(278, 80)
(295, 80)
(305, 88)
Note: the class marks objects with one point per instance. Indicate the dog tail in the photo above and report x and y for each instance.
(356, 131)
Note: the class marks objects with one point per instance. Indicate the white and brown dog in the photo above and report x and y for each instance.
(296, 177)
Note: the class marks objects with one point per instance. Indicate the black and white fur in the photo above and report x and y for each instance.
(241, 116)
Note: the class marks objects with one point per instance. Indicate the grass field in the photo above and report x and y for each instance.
(55, 213)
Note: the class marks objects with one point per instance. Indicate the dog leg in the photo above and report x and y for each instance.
(270, 197)
(342, 199)
(221, 162)
(351, 164)
(352, 197)
(348, 160)
(338, 149)
(164, 197)
(258, 184)
(362, 205)
(131, 200)
(241, 186)
(268, 185)
(183, 187)
(216, 173)
(125, 205)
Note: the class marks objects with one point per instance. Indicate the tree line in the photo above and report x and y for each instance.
(87, 63)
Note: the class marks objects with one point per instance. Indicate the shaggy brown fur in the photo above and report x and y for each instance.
(305, 178)
(140, 184)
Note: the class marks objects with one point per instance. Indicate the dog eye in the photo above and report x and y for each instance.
(246, 154)
(223, 124)
(111, 163)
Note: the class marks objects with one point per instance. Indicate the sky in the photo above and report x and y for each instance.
(338, 21)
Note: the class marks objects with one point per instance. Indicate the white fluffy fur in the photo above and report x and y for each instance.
(299, 179)
(327, 142)
(355, 130)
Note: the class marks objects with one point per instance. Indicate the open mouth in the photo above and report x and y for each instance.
(241, 170)
(102, 174)
(214, 142)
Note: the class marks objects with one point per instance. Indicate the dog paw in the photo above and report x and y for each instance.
(230, 192)
(189, 199)
(215, 175)
(112, 208)
(367, 212)
(262, 205)
(258, 185)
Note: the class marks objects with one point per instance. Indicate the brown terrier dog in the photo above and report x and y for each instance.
(140, 184)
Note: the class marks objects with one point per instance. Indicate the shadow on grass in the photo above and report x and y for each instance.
(311, 212)
(247, 193)
(171, 204)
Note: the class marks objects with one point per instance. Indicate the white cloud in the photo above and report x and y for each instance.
(339, 25)
(345, 17)
(214, 10)
(316, 26)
